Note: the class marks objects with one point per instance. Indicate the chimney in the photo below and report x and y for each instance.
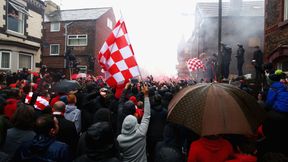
(50, 7)
(235, 7)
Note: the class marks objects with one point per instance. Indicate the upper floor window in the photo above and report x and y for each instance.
(77, 40)
(285, 10)
(55, 26)
(109, 23)
(16, 17)
(5, 60)
(25, 61)
(54, 49)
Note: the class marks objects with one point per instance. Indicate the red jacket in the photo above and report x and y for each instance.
(206, 150)
(54, 100)
(10, 107)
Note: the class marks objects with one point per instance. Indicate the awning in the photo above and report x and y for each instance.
(20, 8)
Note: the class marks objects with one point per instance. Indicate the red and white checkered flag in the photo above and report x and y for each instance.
(116, 57)
(194, 64)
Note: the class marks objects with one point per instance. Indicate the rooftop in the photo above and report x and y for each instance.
(76, 14)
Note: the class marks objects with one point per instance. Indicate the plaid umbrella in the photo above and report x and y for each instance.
(216, 108)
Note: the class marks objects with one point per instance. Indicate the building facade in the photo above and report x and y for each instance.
(81, 31)
(242, 22)
(276, 33)
(20, 34)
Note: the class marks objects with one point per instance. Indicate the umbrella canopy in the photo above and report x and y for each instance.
(216, 108)
(66, 86)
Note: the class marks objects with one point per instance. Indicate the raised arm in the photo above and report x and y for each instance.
(146, 117)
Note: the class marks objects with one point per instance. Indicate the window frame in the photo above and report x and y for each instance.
(51, 50)
(109, 23)
(31, 65)
(22, 12)
(285, 10)
(76, 37)
(59, 26)
(10, 58)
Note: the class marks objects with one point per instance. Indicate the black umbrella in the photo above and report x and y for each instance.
(65, 86)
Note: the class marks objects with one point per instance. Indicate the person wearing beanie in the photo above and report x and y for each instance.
(99, 142)
(132, 140)
(277, 97)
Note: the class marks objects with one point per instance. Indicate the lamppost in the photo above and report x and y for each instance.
(219, 59)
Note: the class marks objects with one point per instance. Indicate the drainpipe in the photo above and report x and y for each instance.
(65, 36)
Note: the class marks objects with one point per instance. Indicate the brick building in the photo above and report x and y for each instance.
(83, 30)
(276, 33)
(20, 34)
(242, 22)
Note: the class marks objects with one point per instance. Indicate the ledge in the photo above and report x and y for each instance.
(16, 34)
(282, 24)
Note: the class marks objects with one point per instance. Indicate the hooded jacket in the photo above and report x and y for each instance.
(132, 140)
(277, 97)
(206, 150)
(73, 114)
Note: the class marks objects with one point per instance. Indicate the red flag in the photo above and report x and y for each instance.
(194, 64)
(116, 57)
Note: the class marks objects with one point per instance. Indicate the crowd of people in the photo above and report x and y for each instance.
(38, 123)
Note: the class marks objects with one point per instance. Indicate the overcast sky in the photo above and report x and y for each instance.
(155, 28)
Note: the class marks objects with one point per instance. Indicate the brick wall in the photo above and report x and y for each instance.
(102, 32)
(77, 27)
(276, 29)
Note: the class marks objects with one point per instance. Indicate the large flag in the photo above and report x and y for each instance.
(194, 64)
(116, 57)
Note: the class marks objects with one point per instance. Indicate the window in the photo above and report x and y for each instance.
(5, 60)
(109, 23)
(54, 49)
(16, 17)
(283, 65)
(25, 61)
(77, 40)
(285, 10)
(55, 26)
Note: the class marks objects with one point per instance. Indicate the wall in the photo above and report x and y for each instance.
(81, 52)
(34, 24)
(102, 32)
(15, 55)
(276, 29)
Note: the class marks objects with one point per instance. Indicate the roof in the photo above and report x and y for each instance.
(247, 8)
(76, 14)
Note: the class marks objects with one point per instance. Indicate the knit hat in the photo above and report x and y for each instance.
(129, 125)
(129, 108)
(277, 76)
(99, 136)
(133, 99)
(102, 115)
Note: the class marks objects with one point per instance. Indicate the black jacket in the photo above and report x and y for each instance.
(67, 133)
